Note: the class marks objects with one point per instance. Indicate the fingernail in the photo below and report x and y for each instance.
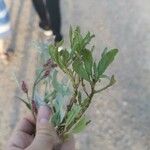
(44, 114)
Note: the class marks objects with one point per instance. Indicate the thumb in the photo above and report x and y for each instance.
(46, 136)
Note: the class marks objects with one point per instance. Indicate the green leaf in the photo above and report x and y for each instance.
(88, 61)
(55, 81)
(55, 55)
(59, 101)
(106, 60)
(59, 86)
(52, 52)
(26, 103)
(77, 31)
(104, 52)
(72, 114)
(78, 67)
(56, 119)
(80, 125)
(88, 38)
(58, 105)
(65, 57)
(77, 44)
(50, 96)
(60, 60)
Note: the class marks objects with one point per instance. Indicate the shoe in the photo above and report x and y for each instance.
(47, 32)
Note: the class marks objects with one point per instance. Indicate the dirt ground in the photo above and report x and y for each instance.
(120, 116)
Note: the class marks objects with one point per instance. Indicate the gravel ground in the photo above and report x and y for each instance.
(120, 116)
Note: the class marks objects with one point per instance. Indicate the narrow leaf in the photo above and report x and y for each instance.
(104, 52)
(26, 103)
(78, 67)
(65, 57)
(88, 38)
(50, 96)
(52, 53)
(80, 125)
(55, 81)
(106, 60)
(56, 119)
(88, 61)
(72, 114)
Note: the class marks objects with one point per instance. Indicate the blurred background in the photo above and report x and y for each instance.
(121, 115)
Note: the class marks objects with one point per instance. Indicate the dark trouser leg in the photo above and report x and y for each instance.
(41, 10)
(53, 7)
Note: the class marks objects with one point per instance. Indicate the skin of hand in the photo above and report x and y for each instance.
(45, 138)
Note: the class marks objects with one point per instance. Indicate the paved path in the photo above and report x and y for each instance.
(120, 116)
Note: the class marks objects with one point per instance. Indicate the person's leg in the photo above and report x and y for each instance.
(53, 7)
(1, 46)
(5, 30)
(40, 8)
(4, 56)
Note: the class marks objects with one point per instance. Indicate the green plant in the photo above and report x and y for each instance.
(69, 96)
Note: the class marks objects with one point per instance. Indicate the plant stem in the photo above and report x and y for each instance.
(84, 89)
(85, 106)
(33, 91)
(89, 98)
(104, 88)
(75, 89)
(46, 85)
(72, 101)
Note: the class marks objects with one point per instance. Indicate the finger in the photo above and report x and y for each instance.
(22, 135)
(44, 127)
(44, 114)
(45, 132)
(26, 125)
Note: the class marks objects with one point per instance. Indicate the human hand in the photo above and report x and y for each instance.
(45, 138)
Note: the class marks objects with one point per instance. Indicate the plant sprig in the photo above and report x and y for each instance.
(69, 100)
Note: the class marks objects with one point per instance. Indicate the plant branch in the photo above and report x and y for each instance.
(88, 100)
(27, 104)
(38, 79)
(104, 88)
(84, 88)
